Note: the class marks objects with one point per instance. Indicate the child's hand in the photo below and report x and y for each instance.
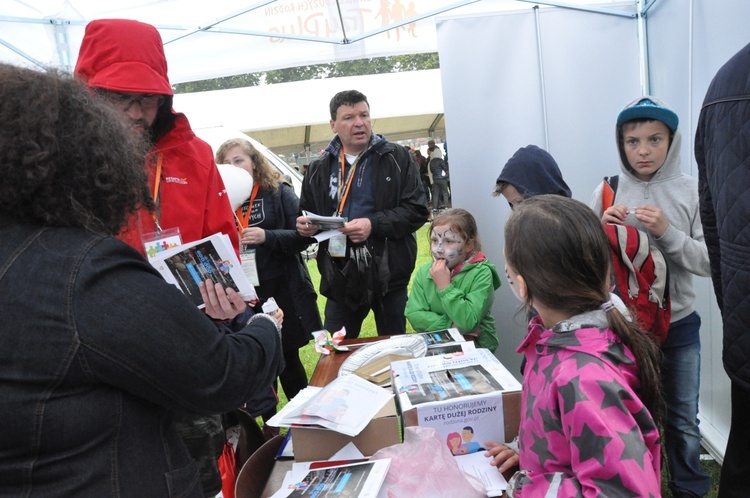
(504, 458)
(615, 214)
(653, 219)
(440, 274)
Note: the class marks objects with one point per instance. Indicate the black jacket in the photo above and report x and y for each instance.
(722, 150)
(400, 210)
(98, 352)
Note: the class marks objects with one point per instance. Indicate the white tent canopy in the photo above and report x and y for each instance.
(225, 37)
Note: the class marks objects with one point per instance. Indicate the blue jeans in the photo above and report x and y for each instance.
(680, 372)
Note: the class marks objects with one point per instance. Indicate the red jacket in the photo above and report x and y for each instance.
(128, 56)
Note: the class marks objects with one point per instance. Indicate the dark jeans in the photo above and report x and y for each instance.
(440, 194)
(735, 470)
(388, 311)
(680, 376)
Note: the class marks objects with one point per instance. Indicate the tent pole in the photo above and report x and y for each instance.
(537, 23)
(22, 54)
(584, 8)
(643, 47)
(344, 39)
(62, 45)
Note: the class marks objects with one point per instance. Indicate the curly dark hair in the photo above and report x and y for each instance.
(66, 158)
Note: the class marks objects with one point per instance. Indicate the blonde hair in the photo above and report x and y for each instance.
(264, 174)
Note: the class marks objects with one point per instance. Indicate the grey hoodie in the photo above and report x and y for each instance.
(676, 194)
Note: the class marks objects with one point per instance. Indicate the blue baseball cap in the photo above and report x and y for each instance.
(648, 109)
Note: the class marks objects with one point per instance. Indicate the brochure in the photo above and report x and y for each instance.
(355, 479)
(328, 225)
(478, 465)
(451, 348)
(446, 341)
(213, 257)
(460, 396)
(346, 405)
(437, 338)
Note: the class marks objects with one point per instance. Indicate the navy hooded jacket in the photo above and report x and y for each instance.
(533, 171)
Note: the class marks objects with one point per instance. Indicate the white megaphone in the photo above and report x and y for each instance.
(237, 182)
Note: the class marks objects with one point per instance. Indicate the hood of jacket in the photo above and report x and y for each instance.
(124, 56)
(670, 168)
(479, 259)
(533, 171)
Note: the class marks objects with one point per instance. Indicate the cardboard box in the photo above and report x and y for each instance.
(321, 444)
(471, 394)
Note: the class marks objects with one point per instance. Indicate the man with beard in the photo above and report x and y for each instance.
(124, 61)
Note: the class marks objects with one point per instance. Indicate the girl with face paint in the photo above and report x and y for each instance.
(457, 288)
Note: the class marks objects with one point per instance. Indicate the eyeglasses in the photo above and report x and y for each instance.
(123, 101)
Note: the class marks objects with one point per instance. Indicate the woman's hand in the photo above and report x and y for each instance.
(277, 315)
(253, 236)
(503, 457)
(220, 304)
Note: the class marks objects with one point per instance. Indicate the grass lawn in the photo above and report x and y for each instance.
(310, 357)
(307, 354)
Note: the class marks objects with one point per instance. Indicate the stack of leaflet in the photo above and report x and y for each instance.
(346, 405)
(446, 341)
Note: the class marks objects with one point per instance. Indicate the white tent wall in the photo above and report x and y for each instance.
(557, 78)
(502, 106)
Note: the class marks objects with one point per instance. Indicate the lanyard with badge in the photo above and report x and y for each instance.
(160, 240)
(337, 243)
(247, 255)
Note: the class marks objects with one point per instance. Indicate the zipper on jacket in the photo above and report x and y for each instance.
(645, 190)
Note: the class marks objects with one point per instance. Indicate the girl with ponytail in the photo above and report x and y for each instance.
(591, 405)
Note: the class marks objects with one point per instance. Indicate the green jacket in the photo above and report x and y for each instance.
(466, 303)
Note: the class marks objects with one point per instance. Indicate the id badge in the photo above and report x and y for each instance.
(247, 257)
(337, 246)
(156, 242)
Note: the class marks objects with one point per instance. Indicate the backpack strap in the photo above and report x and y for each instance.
(628, 254)
(609, 190)
(660, 286)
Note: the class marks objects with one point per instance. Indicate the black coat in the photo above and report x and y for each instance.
(722, 150)
(400, 210)
(280, 255)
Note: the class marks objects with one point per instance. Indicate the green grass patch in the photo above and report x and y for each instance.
(307, 354)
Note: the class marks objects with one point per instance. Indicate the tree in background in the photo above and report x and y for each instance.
(358, 67)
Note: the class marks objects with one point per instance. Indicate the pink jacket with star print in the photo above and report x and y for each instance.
(584, 431)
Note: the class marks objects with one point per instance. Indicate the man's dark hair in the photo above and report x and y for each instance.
(347, 97)
(66, 158)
